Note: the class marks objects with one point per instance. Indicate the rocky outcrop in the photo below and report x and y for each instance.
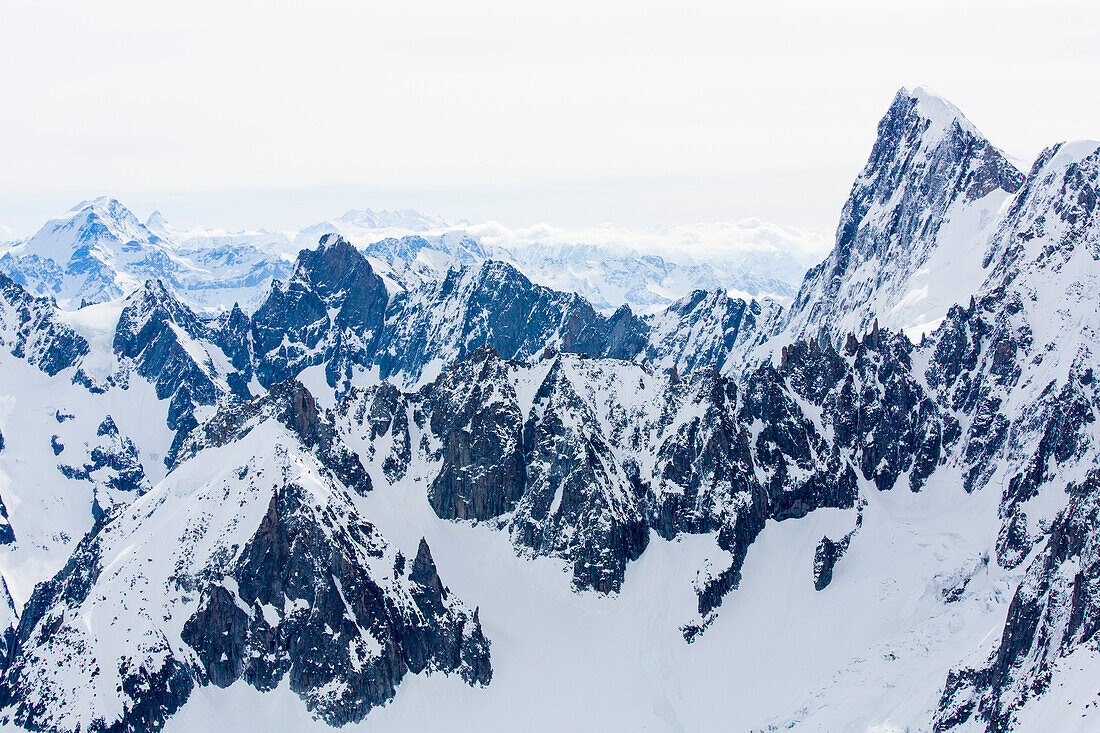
(293, 328)
(828, 554)
(30, 329)
(475, 411)
(877, 408)
(300, 603)
(578, 501)
(111, 464)
(581, 458)
(168, 345)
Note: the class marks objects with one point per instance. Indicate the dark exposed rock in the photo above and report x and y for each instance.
(36, 334)
(113, 467)
(152, 331)
(338, 616)
(381, 411)
(828, 553)
(578, 503)
(475, 413)
(312, 595)
(7, 536)
(292, 329)
(231, 332)
(336, 311)
(158, 692)
(560, 471)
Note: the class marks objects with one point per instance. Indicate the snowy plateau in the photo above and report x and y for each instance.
(391, 472)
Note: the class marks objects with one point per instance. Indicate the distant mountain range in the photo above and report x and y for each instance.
(99, 251)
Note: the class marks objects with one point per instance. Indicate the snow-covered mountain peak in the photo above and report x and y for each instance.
(1069, 152)
(936, 110)
(100, 251)
(104, 204)
(157, 224)
(102, 224)
(925, 202)
(1053, 215)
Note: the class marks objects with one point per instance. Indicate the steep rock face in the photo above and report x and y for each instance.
(705, 461)
(877, 408)
(578, 502)
(30, 329)
(171, 347)
(379, 413)
(475, 411)
(1023, 359)
(1055, 610)
(248, 561)
(1017, 365)
(344, 639)
(331, 311)
(931, 187)
(581, 458)
(1054, 217)
(829, 552)
(231, 333)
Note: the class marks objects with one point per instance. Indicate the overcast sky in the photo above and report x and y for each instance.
(278, 114)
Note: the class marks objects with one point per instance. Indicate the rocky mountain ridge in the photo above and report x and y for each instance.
(591, 443)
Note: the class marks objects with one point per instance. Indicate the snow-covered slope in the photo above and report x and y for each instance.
(710, 328)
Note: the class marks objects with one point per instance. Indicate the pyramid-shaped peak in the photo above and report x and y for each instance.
(102, 222)
(111, 213)
(104, 206)
(927, 105)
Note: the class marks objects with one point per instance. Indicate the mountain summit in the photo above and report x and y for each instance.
(921, 206)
